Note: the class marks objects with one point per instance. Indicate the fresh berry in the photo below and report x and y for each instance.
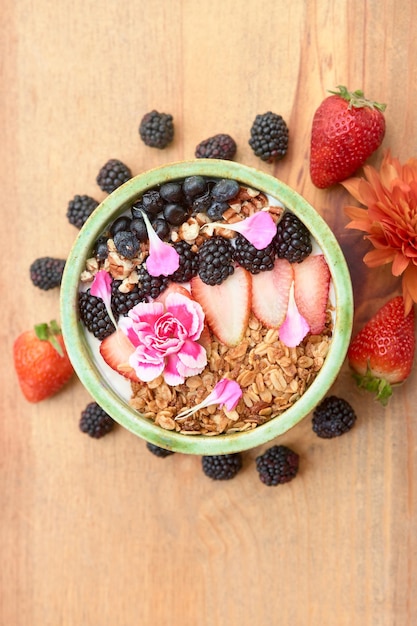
(225, 189)
(188, 263)
(157, 129)
(122, 223)
(162, 228)
(292, 241)
(171, 192)
(194, 186)
(41, 362)
(222, 466)
(138, 228)
(311, 290)
(126, 243)
(95, 422)
(269, 137)
(175, 213)
(270, 294)
(333, 417)
(151, 202)
(113, 174)
(150, 286)
(79, 209)
(46, 272)
(251, 258)
(346, 130)
(216, 209)
(122, 302)
(94, 316)
(215, 260)
(382, 353)
(221, 146)
(116, 350)
(226, 306)
(277, 465)
(101, 250)
(173, 288)
(162, 453)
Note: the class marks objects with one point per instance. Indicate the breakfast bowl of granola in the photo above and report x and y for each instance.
(206, 306)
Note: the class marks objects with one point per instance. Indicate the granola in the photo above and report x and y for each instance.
(271, 375)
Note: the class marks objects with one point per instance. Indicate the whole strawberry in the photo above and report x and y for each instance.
(382, 353)
(346, 130)
(41, 361)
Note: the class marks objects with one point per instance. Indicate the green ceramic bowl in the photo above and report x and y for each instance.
(87, 366)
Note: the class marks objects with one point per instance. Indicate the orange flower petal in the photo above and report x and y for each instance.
(375, 258)
(399, 264)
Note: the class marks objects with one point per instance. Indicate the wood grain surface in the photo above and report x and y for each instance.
(101, 533)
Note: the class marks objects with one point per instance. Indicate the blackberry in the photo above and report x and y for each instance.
(251, 258)
(95, 422)
(79, 209)
(222, 466)
(126, 243)
(46, 272)
(292, 241)
(277, 465)
(157, 129)
(221, 146)
(162, 453)
(333, 417)
(150, 286)
(94, 316)
(269, 137)
(215, 260)
(188, 263)
(121, 303)
(113, 174)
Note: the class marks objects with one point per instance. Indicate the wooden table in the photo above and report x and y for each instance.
(101, 533)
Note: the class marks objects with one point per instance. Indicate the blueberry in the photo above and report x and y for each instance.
(171, 192)
(175, 214)
(126, 243)
(100, 249)
(138, 228)
(152, 202)
(161, 227)
(121, 223)
(194, 186)
(202, 203)
(216, 210)
(136, 209)
(225, 189)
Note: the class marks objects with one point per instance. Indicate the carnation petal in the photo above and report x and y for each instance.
(163, 259)
(295, 326)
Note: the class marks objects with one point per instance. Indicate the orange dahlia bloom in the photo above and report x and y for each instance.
(390, 219)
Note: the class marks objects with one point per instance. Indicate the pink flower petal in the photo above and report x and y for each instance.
(171, 373)
(295, 326)
(259, 229)
(101, 288)
(188, 312)
(225, 393)
(192, 356)
(163, 259)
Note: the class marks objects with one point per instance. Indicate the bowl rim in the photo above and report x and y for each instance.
(80, 354)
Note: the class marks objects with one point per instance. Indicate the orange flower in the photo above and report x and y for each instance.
(390, 219)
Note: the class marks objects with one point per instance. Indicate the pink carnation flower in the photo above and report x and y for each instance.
(165, 339)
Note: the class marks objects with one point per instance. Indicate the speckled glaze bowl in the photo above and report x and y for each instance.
(86, 364)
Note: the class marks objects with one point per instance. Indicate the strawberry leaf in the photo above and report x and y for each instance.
(378, 386)
(45, 332)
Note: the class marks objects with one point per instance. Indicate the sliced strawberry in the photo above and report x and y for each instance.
(226, 306)
(270, 293)
(116, 350)
(311, 290)
(173, 288)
